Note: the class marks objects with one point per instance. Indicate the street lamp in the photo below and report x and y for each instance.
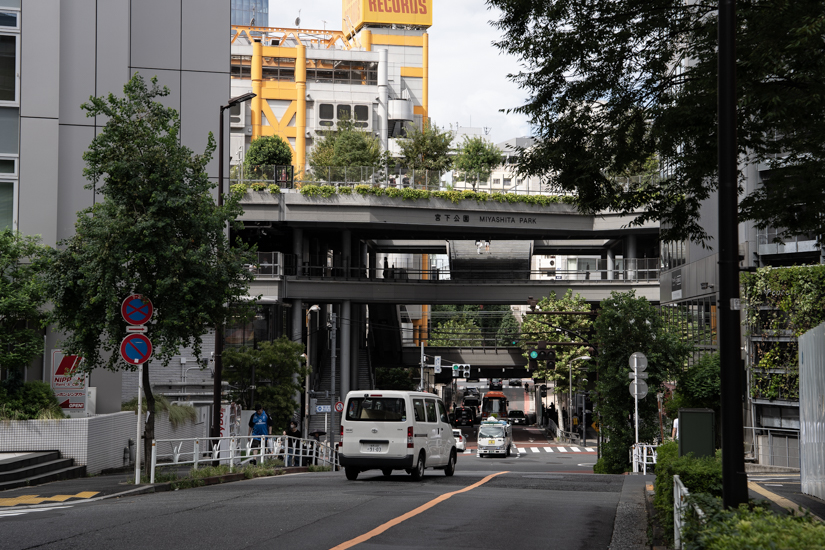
(316, 307)
(216, 390)
(570, 392)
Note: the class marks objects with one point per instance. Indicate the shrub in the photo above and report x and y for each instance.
(699, 475)
(30, 401)
(750, 527)
(274, 189)
(258, 186)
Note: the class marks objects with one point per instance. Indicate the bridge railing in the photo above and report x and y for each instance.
(294, 178)
(339, 267)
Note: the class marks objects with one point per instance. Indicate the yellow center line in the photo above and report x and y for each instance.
(423, 508)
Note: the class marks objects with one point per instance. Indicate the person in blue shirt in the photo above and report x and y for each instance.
(260, 423)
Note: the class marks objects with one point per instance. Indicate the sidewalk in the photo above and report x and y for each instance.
(86, 489)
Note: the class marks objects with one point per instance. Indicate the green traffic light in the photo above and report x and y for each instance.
(534, 354)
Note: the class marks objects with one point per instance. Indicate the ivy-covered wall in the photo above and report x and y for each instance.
(780, 304)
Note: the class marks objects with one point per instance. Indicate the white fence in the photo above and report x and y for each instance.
(680, 509)
(642, 456)
(240, 450)
(811, 411)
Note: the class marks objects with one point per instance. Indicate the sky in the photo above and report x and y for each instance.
(468, 75)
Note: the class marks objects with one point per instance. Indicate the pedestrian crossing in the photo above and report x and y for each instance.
(539, 450)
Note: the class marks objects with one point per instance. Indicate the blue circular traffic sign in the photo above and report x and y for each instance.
(136, 349)
(137, 309)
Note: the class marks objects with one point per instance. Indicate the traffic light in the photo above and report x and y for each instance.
(543, 392)
(466, 370)
(532, 359)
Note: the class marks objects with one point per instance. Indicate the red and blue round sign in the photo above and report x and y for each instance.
(137, 309)
(136, 349)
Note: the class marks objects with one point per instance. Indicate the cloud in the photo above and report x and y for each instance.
(468, 75)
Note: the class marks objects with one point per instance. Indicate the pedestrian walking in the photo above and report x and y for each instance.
(260, 424)
(293, 445)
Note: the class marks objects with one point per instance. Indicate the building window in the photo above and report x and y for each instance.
(496, 181)
(362, 116)
(508, 181)
(6, 205)
(9, 19)
(344, 111)
(8, 68)
(326, 114)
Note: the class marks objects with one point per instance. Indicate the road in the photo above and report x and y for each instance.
(534, 499)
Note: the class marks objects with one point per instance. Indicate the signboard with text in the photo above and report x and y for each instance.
(356, 13)
(69, 385)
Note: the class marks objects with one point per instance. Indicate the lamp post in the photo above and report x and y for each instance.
(216, 391)
(316, 307)
(570, 391)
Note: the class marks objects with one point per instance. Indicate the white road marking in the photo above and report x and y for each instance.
(535, 449)
(521, 450)
(562, 449)
(12, 512)
(590, 449)
(575, 449)
(549, 449)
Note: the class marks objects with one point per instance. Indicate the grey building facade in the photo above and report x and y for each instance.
(66, 51)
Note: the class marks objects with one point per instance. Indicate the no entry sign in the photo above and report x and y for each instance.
(136, 309)
(136, 349)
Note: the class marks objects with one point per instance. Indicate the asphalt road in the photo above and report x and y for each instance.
(535, 501)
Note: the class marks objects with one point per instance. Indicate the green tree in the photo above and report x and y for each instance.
(612, 83)
(22, 296)
(476, 159)
(154, 230)
(347, 147)
(394, 378)
(560, 328)
(426, 149)
(627, 324)
(492, 324)
(458, 332)
(270, 368)
(699, 387)
(267, 151)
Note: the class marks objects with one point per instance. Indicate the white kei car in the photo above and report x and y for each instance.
(460, 440)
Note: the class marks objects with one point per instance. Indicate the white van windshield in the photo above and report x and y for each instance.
(491, 431)
(386, 409)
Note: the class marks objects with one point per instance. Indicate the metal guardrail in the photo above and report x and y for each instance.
(642, 455)
(239, 450)
(341, 268)
(680, 509)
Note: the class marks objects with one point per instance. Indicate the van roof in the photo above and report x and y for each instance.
(390, 393)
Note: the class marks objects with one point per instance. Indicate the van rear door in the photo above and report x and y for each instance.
(378, 425)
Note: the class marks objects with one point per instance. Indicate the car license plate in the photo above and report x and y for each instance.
(371, 448)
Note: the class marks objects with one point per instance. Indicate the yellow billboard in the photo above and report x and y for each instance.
(357, 13)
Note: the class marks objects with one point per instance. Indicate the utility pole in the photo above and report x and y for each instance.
(734, 480)
(421, 384)
(333, 318)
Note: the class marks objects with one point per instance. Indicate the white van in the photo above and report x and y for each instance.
(395, 430)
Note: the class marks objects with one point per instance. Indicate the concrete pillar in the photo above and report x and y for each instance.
(346, 252)
(297, 336)
(298, 249)
(611, 263)
(383, 97)
(366, 40)
(355, 346)
(630, 255)
(425, 80)
(346, 346)
(373, 267)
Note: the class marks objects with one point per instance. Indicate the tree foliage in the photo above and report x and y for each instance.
(474, 325)
(476, 158)
(394, 378)
(154, 230)
(22, 296)
(613, 82)
(572, 328)
(347, 146)
(426, 148)
(270, 368)
(267, 151)
(627, 324)
(460, 332)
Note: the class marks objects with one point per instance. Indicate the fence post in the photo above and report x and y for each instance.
(154, 461)
(231, 454)
(197, 453)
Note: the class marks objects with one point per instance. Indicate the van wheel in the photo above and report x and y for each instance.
(449, 470)
(352, 473)
(418, 471)
(387, 472)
